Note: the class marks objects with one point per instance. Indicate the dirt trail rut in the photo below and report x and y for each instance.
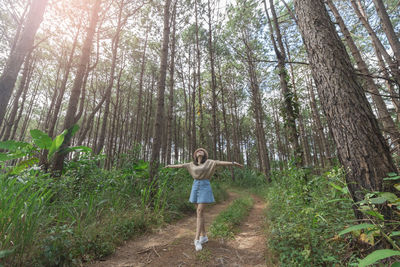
(173, 245)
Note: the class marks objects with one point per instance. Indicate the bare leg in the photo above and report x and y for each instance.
(200, 220)
(203, 225)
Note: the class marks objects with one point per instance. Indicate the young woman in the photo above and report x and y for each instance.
(201, 169)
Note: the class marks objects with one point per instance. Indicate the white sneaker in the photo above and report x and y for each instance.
(203, 239)
(197, 245)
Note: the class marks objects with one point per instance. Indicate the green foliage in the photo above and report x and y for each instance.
(227, 221)
(378, 255)
(86, 212)
(357, 227)
(30, 152)
(373, 205)
(306, 211)
(23, 201)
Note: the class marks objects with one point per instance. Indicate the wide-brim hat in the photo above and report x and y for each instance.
(197, 150)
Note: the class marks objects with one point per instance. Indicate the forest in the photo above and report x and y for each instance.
(98, 98)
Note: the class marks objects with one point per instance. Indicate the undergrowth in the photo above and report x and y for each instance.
(84, 214)
(305, 214)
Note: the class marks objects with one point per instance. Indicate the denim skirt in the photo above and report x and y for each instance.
(201, 192)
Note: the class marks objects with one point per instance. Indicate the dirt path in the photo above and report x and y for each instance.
(173, 245)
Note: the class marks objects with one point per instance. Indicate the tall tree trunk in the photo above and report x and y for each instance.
(290, 111)
(361, 147)
(17, 56)
(115, 45)
(21, 108)
(199, 89)
(9, 123)
(213, 81)
(258, 110)
(139, 116)
(394, 66)
(149, 114)
(171, 90)
(70, 118)
(63, 86)
(383, 114)
(319, 136)
(194, 134)
(159, 124)
(388, 29)
(32, 103)
(302, 133)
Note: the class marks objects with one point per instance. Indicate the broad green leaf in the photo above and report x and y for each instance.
(396, 264)
(41, 139)
(395, 233)
(12, 145)
(391, 174)
(375, 214)
(11, 156)
(57, 142)
(378, 255)
(336, 186)
(377, 200)
(356, 228)
(392, 178)
(390, 197)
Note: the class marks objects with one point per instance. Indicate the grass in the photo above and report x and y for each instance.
(204, 255)
(305, 214)
(226, 223)
(87, 212)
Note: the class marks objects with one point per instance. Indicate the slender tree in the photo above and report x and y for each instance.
(71, 116)
(17, 56)
(159, 124)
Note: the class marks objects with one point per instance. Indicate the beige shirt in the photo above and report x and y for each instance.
(202, 171)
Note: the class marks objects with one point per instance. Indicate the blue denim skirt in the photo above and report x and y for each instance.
(201, 192)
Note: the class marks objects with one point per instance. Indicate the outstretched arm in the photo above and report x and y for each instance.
(175, 166)
(228, 163)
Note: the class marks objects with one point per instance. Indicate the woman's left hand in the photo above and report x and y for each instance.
(238, 164)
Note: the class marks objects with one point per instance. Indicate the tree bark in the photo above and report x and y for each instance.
(171, 91)
(22, 48)
(159, 124)
(394, 66)
(388, 29)
(290, 111)
(383, 113)
(9, 123)
(361, 147)
(70, 118)
(213, 81)
(258, 110)
(199, 89)
(139, 116)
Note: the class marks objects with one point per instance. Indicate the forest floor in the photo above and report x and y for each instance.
(173, 244)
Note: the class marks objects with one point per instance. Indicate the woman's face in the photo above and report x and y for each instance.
(200, 153)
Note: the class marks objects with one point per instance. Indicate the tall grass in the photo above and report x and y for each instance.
(306, 212)
(22, 202)
(85, 213)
